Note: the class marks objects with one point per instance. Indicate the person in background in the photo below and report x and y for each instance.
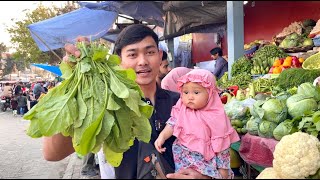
(7, 90)
(169, 82)
(18, 89)
(164, 68)
(22, 104)
(202, 129)
(38, 89)
(221, 65)
(31, 100)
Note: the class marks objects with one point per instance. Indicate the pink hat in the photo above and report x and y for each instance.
(169, 82)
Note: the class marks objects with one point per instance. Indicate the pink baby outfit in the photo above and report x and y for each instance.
(207, 131)
(169, 82)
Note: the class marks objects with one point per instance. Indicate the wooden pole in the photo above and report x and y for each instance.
(46, 45)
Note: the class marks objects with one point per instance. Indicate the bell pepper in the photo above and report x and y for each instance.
(301, 60)
(277, 70)
(277, 63)
(233, 90)
(287, 63)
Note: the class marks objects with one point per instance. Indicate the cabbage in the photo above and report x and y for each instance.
(274, 110)
(284, 128)
(299, 104)
(256, 110)
(266, 129)
(252, 125)
(309, 90)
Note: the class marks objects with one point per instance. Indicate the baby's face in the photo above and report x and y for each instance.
(194, 96)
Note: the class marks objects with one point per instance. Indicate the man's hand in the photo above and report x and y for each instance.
(187, 174)
(73, 50)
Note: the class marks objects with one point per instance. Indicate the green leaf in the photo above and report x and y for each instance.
(99, 55)
(146, 109)
(107, 123)
(112, 104)
(133, 101)
(33, 129)
(66, 70)
(113, 60)
(112, 157)
(303, 122)
(62, 112)
(85, 67)
(82, 108)
(141, 127)
(88, 140)
(316, 117)
(117, 87)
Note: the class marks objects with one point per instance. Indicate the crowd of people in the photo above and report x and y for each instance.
(191, 134)
(23, 96)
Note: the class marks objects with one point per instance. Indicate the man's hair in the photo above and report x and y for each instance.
(164, 56)
(216, 50)
(133, 34)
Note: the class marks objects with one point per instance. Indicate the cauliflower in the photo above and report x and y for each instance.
(297, 156)
(268, 173)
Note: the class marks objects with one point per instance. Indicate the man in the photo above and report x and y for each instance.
(164, 68)
(137, 46)
(7, 90)
(38, 89)
(221, 65)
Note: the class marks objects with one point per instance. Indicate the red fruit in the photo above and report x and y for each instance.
(296, 63)
(281, 60)
(294, 57)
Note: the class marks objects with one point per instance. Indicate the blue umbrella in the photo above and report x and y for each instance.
(53, 69)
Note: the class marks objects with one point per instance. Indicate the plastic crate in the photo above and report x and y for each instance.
(316, 41)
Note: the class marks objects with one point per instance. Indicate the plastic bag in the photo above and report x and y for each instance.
(235, 109)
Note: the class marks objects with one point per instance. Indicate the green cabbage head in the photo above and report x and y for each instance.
(266, 129)
(299, 104)
(275, 110)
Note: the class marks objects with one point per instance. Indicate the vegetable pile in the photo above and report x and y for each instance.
(242, 65)
(98, 104)
(296, 156)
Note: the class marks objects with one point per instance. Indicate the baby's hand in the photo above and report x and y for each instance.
(158, 144)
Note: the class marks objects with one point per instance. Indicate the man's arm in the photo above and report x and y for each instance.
(219, 66)
(57, 147)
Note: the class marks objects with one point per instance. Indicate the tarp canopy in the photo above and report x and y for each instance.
(55, 32)
(177, 17)
(53, 69)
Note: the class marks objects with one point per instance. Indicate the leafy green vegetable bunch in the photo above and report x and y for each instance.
(242, 65)
(242, 80)
(98, 104)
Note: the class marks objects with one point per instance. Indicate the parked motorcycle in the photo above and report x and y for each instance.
(5, 103)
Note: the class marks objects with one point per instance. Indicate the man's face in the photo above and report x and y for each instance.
(145, 58)
(164, 69)
(215, 57)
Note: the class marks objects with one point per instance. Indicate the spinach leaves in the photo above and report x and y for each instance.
(98, 104)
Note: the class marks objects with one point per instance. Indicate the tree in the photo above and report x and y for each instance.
(20, 36)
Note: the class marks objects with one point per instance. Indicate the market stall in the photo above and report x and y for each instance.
(275, 95)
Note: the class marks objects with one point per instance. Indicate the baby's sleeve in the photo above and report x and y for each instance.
(171, 121)
(223, 159)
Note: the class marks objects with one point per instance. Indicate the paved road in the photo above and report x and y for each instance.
(21, 155)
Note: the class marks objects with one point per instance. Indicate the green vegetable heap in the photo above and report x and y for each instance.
(98, 104)
(242, 65)
(264, 58)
